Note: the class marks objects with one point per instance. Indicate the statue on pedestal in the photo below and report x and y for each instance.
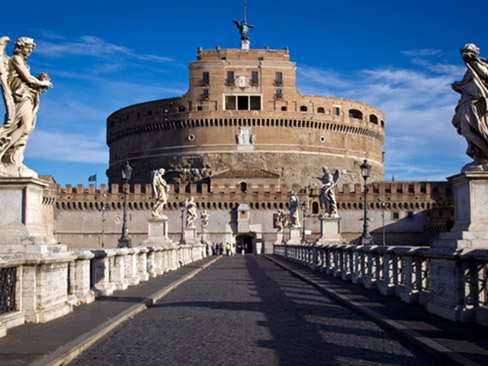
(191, 213)
(161, 192)
(471, 116)
(21, 92)
(204, 217)
(295, 221)
(328, 201)
(243, 29)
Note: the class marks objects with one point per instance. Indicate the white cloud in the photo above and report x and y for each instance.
(422, 52)
(93, 46)
(67, 147)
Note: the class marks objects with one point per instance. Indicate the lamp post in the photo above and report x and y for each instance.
(183, 225)
(304, 213)
(366, 238)
(125, 241)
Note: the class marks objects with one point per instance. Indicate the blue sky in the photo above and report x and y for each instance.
(104, 55)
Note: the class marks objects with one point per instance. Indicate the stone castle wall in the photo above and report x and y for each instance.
(412, 212)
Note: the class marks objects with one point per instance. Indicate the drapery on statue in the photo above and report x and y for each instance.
(471, 116)
(191, 213)
(328, 201)
(295, 221)
(20, 92)
(161, 192)
(243, 29)
(204, 217)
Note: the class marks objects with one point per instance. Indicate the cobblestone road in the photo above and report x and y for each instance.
(247, 311)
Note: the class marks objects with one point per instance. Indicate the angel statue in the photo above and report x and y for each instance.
(243, 29)
(471, 116)
(20, 92)
(328, 201)
(295, 221)
(204, 218)
(161, 192)
(191, 213)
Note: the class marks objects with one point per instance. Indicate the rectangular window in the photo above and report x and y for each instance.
(205, 94)
(279, 78)
(254, 78)
(230, 77)
(279, 94)
(243, 102)
(230, 102)
(206, 77)
(255, 102)
(395, 215)
(337, 111)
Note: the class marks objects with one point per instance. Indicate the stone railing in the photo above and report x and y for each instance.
(452, 284)
(36, 290)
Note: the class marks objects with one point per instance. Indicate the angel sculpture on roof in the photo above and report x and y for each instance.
(328, 201)
(21, 93)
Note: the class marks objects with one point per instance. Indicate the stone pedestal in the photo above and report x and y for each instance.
(330, 231)
(295, 236)
(24, 222)
(157, 232)
(470, 230)
(279, 238)
(190, 236)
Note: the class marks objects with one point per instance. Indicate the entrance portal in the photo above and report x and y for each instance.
(246, 242)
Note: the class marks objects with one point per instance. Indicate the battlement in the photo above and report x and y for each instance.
(401, 195)
(222, 54)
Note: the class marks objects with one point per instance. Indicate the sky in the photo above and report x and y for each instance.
(103, 55)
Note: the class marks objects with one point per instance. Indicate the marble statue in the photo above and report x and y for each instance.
(295, 221)
(243, 29)
(280, 220)
(204, 217)
(328, 201)
(161, 192)
(21, 93)
(471, 116)
(191, 213)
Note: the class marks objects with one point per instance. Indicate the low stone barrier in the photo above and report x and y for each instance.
(36, 290)
(452, 284)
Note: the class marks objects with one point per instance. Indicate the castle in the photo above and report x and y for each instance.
(238, 141)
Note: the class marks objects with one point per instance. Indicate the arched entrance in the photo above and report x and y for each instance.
(246, 242)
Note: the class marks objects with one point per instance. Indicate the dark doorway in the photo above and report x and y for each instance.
(244, 242)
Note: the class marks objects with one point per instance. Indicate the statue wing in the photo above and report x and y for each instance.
(238, 24)
(337, 176)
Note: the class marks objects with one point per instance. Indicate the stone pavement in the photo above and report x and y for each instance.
(245, 310)
(40, 343)
(467, 340)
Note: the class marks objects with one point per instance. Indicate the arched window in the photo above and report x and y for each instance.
(373, 119)
(315, 208)
(303, 108)
(320, 110)
(243, 187)
(354, 113)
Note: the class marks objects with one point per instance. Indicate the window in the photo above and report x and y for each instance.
(337, 111)
(255, 78)
(255, 102)
(230, 103)
(205, 78)
(181, 108)
(373, 119)
(243, 187)
(243, 102)
(354, 113)
(315, 208)
(230, 78)
(320, 110)
(410, 214)
(279, 94)
(284, 109)
(395, 215)
(303, 108)
(199, 108)
(278, 78)
(205, 94)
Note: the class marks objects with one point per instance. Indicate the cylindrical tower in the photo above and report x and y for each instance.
(242, 111)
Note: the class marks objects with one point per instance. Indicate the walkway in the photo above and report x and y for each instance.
(245, 310)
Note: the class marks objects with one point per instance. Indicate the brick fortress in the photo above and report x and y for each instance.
(238, 141)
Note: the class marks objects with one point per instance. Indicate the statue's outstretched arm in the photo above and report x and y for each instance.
(19, 65)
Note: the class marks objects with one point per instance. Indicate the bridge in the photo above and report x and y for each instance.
(299, 306)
